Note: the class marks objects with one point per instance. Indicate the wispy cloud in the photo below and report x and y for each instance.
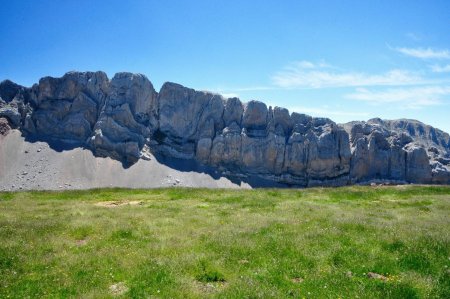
(307, 65)
(305, 74)
(440, 68)
(424, 53)
(407, 98)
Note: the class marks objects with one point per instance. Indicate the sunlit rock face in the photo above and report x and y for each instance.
(398, 150)
(123, 117)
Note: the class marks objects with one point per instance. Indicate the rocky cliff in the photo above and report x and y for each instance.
(125, 118)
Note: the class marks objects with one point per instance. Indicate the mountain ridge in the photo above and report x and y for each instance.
(125, 117)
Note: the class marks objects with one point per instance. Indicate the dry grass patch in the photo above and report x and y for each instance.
(118, 203)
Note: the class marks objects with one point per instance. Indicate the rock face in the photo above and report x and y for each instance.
(66, 109)
(124, 117)
(399, 151)
(187, 116)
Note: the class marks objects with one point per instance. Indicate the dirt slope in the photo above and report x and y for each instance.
(25, 165)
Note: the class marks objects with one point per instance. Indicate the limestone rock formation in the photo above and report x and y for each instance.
(398, 150)
(66, 109)
(186, 116)
(125, 117)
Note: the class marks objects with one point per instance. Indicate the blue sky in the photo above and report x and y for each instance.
(346, 60)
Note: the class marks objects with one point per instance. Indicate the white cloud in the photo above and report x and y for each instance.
(440, 68)
(307, 65)
(305, 74)
(230, 95)
(407, 98)
(424, 53)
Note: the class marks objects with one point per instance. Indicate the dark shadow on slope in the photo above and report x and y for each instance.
(190, 165)
(182, 165)
(55, 144)
(61, 145)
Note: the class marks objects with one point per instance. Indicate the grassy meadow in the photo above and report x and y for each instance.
(350, 242)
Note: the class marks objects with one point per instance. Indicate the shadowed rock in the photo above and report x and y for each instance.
(66, 109)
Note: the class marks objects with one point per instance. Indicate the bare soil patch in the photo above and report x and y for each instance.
(210, 287)
(118, 203)
(118, 289)
(373, 275)
(81, 242)
(297, 280)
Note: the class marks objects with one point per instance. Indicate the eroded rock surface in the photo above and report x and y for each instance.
(398, 150)
(66, 109)
(125, 118)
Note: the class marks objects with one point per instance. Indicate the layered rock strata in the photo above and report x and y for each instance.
(123, 118)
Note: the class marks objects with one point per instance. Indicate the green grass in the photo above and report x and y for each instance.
(200, 243)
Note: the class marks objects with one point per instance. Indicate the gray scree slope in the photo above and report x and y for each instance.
(126, 119)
